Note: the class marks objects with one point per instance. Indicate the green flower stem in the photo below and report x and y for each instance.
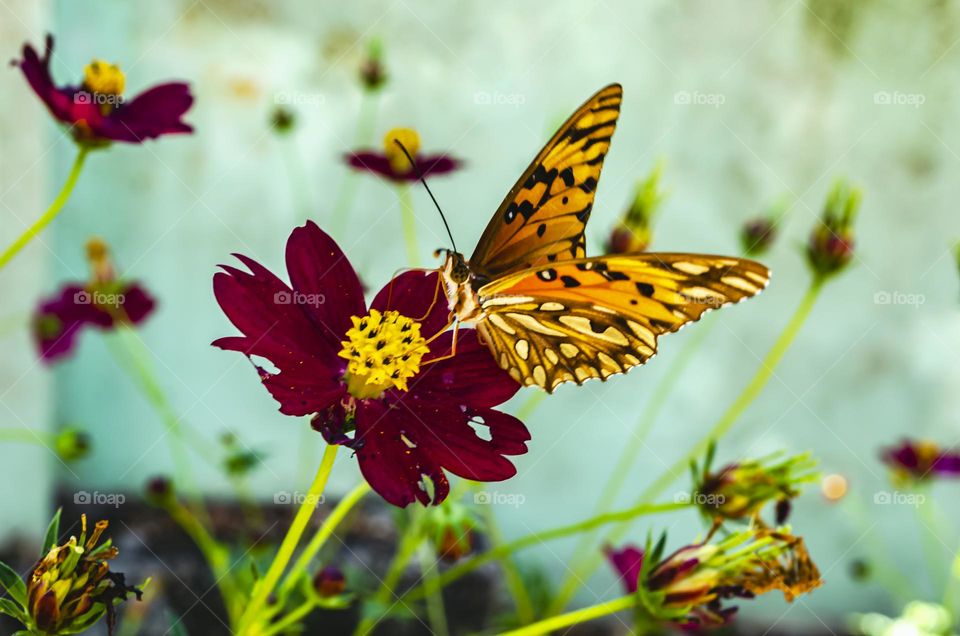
(51, 212)
(882, 567)
(531, 404)
(536, 539)
(573, 618)
(518, 590)
(12, 323)
(436, 612)
(336, 517)
(290, 619)
(28, 436)
(214, 553)
(293, 162)
(409, 220)
(584, 566)
(658, 400)
(265, 586)
(932, 546)
(407, 547)
(953, 586)
(363, 137)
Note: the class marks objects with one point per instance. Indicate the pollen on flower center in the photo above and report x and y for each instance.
(384, 350)
(103, 78)
(410, 140)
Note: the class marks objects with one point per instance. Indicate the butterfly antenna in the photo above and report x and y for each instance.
(416, 169)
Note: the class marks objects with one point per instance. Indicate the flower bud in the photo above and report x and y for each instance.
(159, 491)
(282, 120)
(329, 582)
(373, 75)
(830, 248)
(633, 231)
(757, 235)
(72, 444)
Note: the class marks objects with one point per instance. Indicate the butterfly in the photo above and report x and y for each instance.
(547, 312)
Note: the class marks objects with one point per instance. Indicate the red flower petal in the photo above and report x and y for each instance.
(258, 304)
(388, 463)
(377, 163)
(416, 296)
(154, 112)
(445, 432)
(627, 561)
(326, 285)
(472, 377)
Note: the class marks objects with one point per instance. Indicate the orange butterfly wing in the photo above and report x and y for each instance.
(595, 317)
(543, 217)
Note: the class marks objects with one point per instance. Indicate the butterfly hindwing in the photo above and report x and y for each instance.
(543, 217)
(595, 317)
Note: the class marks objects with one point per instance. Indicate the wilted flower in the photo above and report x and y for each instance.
(72, 587)
(740, 490)
(96, 110)
(373, 75)
(104, 302)
(831, 243)
(688, 588)
(919, 460)
(380, 381)
(633, 231)
(71, 444)
(393, 164)
(329, 582)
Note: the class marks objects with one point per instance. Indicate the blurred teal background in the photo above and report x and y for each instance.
(746, 102)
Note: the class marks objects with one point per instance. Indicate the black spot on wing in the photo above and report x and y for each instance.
(645, 289)
(569, 281)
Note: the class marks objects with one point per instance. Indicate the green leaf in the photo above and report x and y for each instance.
(53, 534)
(177, 628)
(13, 584)
(10, 608)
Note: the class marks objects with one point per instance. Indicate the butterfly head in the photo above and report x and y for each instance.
(455, 267)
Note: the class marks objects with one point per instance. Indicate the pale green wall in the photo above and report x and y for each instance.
(798, 108)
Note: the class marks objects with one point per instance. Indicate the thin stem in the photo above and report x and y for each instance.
(932, 545)
(51, 213)
(882, 567)
(573, 618)
(436, 612)
(290, 619)
(264, 587)
(13, 323)
(362, 137)
(536, 539)
(407, 547)
(27, 436)
(658, 399)
(216, 555)
(531, 404)
(409, 220)
(518, 590)
(587, 563)
(319, 539)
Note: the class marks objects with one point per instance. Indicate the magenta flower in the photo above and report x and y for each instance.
(103, 303)
(394, 165)
(377, 380)
(921, 459)
(96, 109)
(628, 562)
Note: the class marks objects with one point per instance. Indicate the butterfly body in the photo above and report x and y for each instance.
(550, 314)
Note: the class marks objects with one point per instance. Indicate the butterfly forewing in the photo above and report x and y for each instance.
(595, 317)
(543, 217)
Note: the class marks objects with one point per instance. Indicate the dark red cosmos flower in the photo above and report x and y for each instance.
(375, 380)
(96, 109)
(104, 303)
(921, 459)
(394, 165)
(627, 561)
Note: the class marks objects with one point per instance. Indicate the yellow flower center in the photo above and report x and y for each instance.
(410, 140)
(384, 350)
(103, 78)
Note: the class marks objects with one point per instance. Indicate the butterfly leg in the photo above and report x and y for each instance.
(453, 345)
